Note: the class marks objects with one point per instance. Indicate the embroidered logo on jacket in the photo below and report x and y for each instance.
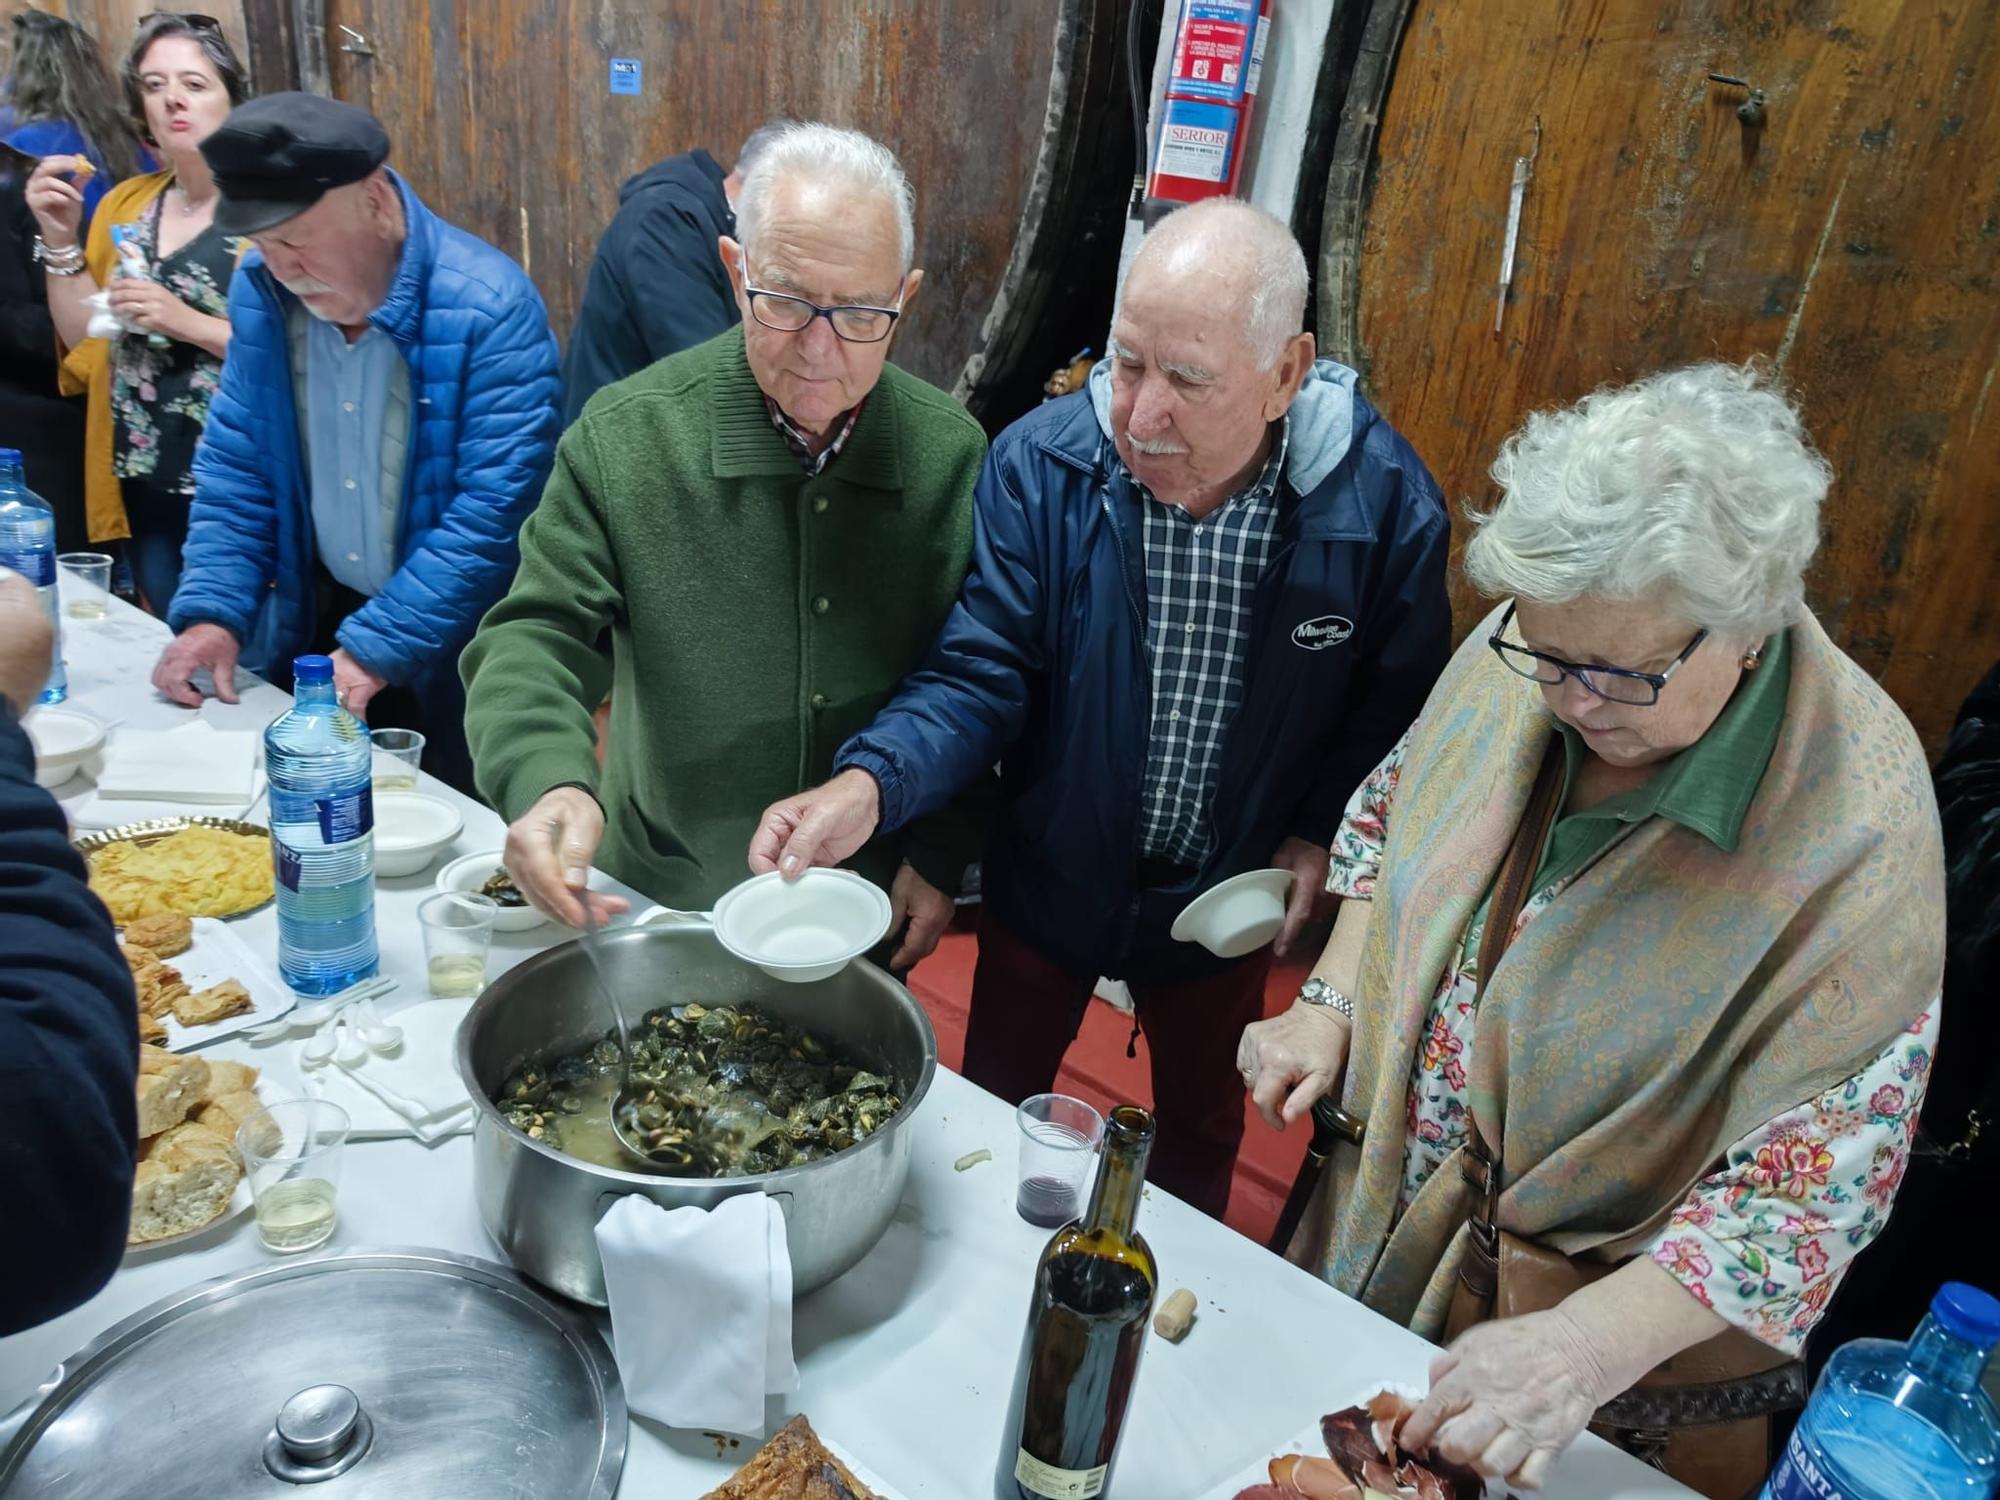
(1327, 630)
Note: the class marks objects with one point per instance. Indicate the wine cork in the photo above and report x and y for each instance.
(1175, 1317)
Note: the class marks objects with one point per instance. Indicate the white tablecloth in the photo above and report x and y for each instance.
(907, 1360)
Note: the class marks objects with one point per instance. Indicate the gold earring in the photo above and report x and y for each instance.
(1752, 658)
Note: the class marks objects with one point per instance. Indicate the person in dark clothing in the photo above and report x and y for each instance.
(657, 283)
(1954, 1166)
(69, 1036)
(45, 426)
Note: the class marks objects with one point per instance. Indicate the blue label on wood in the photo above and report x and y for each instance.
(627, 74)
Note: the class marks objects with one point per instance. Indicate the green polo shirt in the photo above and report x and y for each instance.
(1706, 788)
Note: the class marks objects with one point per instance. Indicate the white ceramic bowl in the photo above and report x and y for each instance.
(64, 739)
(471, 871)
(1238, 916)
(794, 930)
(411, 829)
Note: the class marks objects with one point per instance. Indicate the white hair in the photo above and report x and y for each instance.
(1243, 242)
(757, 142)
(825, 154)
(1697, 487)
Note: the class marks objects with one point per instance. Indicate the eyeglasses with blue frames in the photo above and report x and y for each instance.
(853, 322)
(1613, 684)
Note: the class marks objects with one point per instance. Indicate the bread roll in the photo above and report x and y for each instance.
(186, 1181)
(163, 936)
(169, 1086)
(225, 1077)
(225, 1114)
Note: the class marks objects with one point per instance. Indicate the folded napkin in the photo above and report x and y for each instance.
(88, 809)
(195, 763)
(414, 1090)
(701, 1309)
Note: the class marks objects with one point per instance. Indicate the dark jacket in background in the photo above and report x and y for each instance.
(656, 285)
(1954, 1171)
(69, 1059)
(1042, 664)
(46, 427)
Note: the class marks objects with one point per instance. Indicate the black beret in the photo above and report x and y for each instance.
(279, 154)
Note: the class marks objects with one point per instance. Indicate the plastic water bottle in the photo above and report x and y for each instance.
(322, 836)
(28, 546)
(1892, 1421)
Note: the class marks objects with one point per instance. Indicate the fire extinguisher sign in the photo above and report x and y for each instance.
(1196, 142)
(1212, 50)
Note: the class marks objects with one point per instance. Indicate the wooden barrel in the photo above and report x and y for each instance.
(1846, 227)
(505, 123)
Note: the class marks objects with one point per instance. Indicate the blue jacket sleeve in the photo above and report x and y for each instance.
(231, 553)
(69, 1049)
(507, 434)
(951, 719)
(1408, 634)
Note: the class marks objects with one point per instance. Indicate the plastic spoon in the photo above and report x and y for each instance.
(377, 1034)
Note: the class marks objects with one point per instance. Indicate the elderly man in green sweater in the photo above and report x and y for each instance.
(771, 527)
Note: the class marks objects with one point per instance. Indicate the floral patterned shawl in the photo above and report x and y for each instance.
(1673, 998)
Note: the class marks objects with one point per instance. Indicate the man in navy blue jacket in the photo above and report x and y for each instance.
(69, 1032)
(657, 284)
(1207, 594)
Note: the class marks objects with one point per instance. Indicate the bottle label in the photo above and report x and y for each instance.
(285, 864)
(1797, 1477)
(1058, 1484)
(38, 566)
(344, 819)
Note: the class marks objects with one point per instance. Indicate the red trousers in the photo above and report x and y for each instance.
(1026, 1012)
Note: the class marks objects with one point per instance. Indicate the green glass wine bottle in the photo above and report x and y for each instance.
(1094, 1288)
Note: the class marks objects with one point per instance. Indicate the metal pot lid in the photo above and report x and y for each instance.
(385, 1374)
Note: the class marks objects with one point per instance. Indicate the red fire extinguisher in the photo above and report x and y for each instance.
(1211, 91)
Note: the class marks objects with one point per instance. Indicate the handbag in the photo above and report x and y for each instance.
(1702, 1416)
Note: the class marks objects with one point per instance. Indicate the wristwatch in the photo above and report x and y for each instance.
(1317, 991)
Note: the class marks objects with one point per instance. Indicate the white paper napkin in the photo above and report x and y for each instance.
(195, 763)
(701, 1309)
(417, 1086)
(90, 810)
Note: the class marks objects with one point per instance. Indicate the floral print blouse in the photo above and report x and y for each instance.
(1763, 1240)
(160, 395)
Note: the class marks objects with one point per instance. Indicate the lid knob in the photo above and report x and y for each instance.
(322, 1431)
(317, 1422)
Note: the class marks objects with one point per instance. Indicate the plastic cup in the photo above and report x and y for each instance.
(1059, 1137)
(458, 935)
(398, 754)
(88, 585)
(291, 1153)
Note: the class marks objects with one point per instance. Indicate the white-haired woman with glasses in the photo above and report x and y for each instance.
(1633, 1134)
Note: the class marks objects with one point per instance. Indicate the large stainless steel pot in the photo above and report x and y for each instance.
(542, 1207)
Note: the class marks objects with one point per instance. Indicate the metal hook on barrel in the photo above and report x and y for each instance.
(1751, 110)
(1524, 168)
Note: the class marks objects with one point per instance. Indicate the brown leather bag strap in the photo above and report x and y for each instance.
(1511, 889)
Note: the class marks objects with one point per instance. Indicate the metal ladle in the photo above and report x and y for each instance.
(624, 1107)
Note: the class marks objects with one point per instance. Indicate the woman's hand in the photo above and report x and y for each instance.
(56, 202)
(1289, 1061)
(1510, 1396)
(148, 307)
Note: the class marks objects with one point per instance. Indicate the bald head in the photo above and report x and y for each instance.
(1222, 248)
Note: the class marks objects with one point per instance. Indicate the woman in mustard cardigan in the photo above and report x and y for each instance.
(149, 387)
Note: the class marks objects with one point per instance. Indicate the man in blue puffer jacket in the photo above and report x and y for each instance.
(1207, 594)
(387, 418)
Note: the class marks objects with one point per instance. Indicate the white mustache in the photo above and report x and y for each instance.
(1158, 448)
(308, 287)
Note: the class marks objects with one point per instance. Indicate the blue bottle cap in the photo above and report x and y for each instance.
(1967, 1313)
(312, 669)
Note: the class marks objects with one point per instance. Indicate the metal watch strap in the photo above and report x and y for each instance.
(1316, 991)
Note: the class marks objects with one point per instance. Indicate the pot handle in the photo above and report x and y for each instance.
(668, 916)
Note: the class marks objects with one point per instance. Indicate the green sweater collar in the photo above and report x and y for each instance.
(1708, 787)
(746, 444)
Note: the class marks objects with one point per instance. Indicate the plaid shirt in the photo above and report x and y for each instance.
(801, 446)
(1201, 577)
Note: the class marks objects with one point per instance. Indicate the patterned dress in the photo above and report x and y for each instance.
(160, 395)
(1765, 1238)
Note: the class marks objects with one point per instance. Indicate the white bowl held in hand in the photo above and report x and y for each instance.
(411, 829)
(63, 739)
(795, 930)
(1238, 916)
(470, 872)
